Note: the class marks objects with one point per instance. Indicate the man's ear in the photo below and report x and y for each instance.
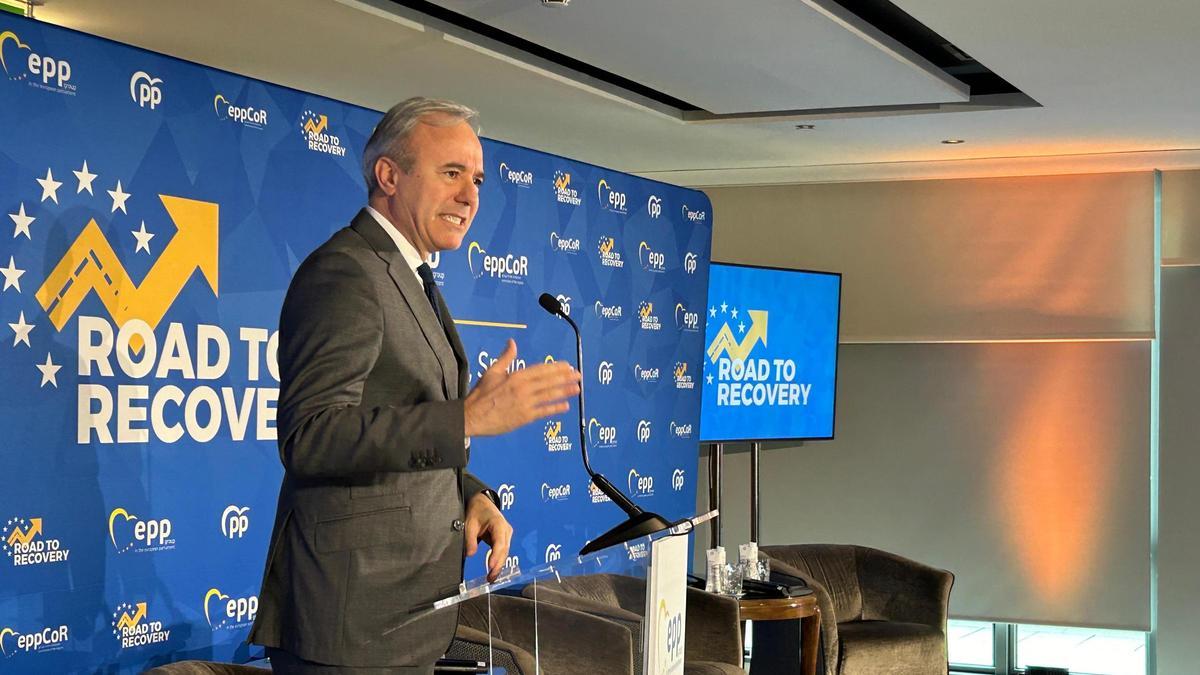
(385, 175)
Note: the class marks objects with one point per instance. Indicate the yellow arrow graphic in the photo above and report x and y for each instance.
(131, 621)
(90, 264)
(23, 538)
(738, 351)
(209, 596)
(315, 128)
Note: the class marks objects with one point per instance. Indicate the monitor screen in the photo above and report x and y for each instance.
(771, 341)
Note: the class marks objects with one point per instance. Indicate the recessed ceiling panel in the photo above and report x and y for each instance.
(728, 57)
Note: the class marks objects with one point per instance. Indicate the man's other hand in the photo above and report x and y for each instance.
(502, 401)
(486, 523)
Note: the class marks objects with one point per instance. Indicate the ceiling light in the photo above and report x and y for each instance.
(555, 3)
(953, 141)
(806, 127)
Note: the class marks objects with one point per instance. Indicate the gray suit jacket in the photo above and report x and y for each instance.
(369, 522)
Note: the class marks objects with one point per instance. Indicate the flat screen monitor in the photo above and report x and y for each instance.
(771, 345)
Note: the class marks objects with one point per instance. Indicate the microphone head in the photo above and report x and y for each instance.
(550, 303)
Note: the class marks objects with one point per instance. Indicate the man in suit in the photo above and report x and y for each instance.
(376, 510)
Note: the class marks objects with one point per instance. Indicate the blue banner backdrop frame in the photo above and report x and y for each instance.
(175, 200)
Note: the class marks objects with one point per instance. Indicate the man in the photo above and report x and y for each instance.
(374, 426)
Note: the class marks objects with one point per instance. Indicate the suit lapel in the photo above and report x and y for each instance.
(410, 288)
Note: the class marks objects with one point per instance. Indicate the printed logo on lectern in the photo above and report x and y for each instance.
(609, 312)
(606, 247)
(677, 480)
(36, 641)
(694, 216)
(225, 612)
(563, 192)
(651, 260)
(654, 206)
(234, 521)
(132, 628)
(508, 496)
(509, 268)
(686, 320)
(569, 245)
(128, 532)
(647, 319)
(518, 177)
(610, 199)
(41, 71)
(314, 129)
(145, 89)
(247, 116)
(600, 435)
(683, 380)
(640, 485)
(24, 543)
(556, 440)
(555, 493)
(553, 553)
(670, 628)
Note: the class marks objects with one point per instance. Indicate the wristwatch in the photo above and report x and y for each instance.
(491, 494)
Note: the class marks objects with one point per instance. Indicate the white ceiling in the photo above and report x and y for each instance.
(1115, 79)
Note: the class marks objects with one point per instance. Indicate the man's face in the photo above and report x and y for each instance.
(434, 202)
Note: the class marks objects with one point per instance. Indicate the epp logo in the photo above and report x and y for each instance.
(235, 522)
(643, 431)
(45, 640)
(553, 553)
(144, 89)
(640, 485)
(508, 496)
(565, 301)
(249, 116)
(570, 245)
(670, 626)
(652, 261)
(677, 480)
(555, 493)
(610, 312)
(690, 262)
(55, 74)
(694, 216)
(609, 198)
(685, 320)
(229, 612)
(601, 436)
(604, 374)
(516, 177)
(654, 206)
(146, 535)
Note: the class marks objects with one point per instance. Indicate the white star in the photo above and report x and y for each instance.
(49, 371)
(734, 312)
(724, 307)
(143, 238)
(708, 378)
(22, 222)
(22, 330)
(712, 311)
(49, 186)
(741, 327)
(118, 196)
(85, 179)
(12, 275)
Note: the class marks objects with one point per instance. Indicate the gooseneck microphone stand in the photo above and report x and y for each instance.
(640, 523)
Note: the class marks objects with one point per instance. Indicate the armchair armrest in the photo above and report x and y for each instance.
(471, 643)
(899, 589)
(713, 628)
(829, 619)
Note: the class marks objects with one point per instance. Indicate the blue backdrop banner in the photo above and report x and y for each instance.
(158, 210)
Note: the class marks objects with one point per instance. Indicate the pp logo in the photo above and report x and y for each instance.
(565, 301)
(605, 372)
(652, 261)
(144, 89)
(553, 553)
(677, 480)
(643, 431)
(235, 522)
(686, 320)
(143, 536)
(690, 262)
(222, 611)
(508, 496)
(640, 485)
(654, 206)
(601, 436)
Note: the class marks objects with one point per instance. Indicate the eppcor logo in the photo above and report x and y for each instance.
(555, 493)
(516, 176)
(694, 216)
(610, 312)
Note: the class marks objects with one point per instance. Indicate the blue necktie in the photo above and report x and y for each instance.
(431, 290)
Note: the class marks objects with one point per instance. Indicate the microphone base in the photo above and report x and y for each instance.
(642, 524)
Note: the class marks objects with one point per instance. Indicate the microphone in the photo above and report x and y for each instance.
(640, 523)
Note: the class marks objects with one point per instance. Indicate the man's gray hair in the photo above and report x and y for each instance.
(390, 138)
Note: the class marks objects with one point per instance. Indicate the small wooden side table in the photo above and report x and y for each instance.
(803, 608)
